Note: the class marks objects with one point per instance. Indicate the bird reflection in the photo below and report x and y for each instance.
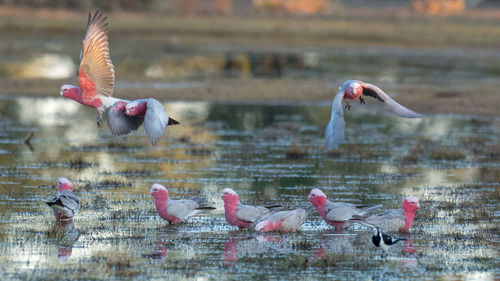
(65, 235)
(341, 241)
(239, 245)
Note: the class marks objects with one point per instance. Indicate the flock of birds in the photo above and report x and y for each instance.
(96, 78)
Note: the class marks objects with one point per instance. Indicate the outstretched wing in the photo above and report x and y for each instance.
(375, 92)
(96, 73)
(119, 123)
(155, 120)
(334, 133)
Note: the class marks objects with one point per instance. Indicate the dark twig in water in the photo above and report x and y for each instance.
(27, 141)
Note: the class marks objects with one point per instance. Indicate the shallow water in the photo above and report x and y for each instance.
(268, 153)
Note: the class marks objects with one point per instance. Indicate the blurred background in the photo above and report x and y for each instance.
(433, 54)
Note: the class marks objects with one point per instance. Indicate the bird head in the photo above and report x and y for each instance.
(411, 204)
(229, 195)
(159, 192)
(352, 89)
(69, 91)
(317, 197)
(119, 106)
(65, 184)
(376, 231)
(132, 108)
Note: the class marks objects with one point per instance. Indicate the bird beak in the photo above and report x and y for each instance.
(418, 205)
(61, 92)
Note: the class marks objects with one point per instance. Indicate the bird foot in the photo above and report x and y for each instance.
(347, 106)
(99, 121)
(361, 100)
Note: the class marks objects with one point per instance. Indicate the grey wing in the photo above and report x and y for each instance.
(338, 211)
(155, 120)
(182, 209)
(120, 123)
(375, 92)
(250, 213)
(68, 199)
(334, 133)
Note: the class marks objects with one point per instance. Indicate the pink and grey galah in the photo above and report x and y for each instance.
(354, 89)
(96, 76)
(337, 213)
(393, 220)
(175, 211)
(241, 215)
(64, 204)
(283, 221)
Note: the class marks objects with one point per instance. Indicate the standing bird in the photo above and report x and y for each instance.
(393, 220)
(283, 221)
(64, 203)
(353, 89)
(175, 211)
(384, 241)
(96, 76)
(337, 213)
(241, 215)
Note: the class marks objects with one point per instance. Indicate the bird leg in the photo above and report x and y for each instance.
(347, 105)
(99, 119)
(361, 100)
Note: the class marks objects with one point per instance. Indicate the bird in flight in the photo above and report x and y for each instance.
(352, 90)
(96, 76)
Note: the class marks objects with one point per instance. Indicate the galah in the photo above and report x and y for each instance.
(354, 89)
(241, 215)
(175, 211)
(384, 241)
(64, 203)
(125, 116)
(393, 220)
(96, 76)
(283, 221)
(337, 213)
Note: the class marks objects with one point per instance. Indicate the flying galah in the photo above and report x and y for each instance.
(393, 220)
(64, 203)
(96, 76)
(354, 89)
(125, 116)
(175, 211)
(283, 221)
(336, 213)
(384, 241)
(241, 215)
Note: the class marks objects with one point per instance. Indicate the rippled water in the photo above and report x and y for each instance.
(268, 153)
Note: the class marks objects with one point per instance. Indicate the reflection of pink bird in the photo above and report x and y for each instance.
(64, 203)
(393, 220)
(96, 76)
(336, 213)
(353, 89)
(175, 211)
(283, 221)
(241, 215)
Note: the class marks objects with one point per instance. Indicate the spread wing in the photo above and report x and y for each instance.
(155, 120)
(120, 123)
(250, 213)
(334, 133)
(375, 92)
(96, 73)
